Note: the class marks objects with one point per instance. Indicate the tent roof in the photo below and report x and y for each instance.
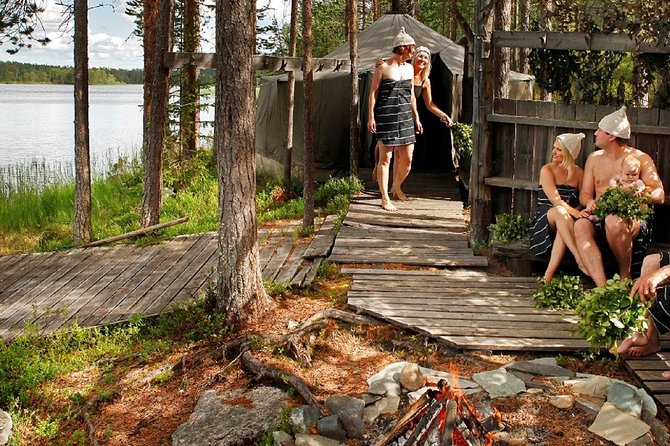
(376, 41)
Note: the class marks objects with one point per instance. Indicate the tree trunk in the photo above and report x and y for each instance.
(293, 44)
(81, 227)
(189, 91)
(524, 19)
(501, 55)
(354, 130)
(640, 85)
(308, 77)
(364, 13)
(240, 291)
(157, 39)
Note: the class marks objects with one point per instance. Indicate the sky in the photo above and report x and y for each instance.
(110, 40)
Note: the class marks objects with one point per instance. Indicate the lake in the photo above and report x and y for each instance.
(37, 123)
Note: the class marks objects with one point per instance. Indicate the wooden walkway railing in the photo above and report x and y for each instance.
(105, 285)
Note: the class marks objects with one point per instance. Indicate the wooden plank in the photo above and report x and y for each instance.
(181, 285)
(500, 310)
(510, 333)
(111, 266)
(272, 267)
(19, 274)
(322, 242)
(292, 264)
(140, 289)
(159, 295)
(506, 344)
(465, 315)
(113, 294)
(574, 41)
(411, 260)
(512, 183)
(312, 271)
(299, 276)
(639, 366)
(423, 242)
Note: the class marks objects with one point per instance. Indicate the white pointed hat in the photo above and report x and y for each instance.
(616, 124)
(572, 142)
(403, 39)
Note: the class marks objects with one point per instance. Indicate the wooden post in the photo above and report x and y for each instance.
(480, 168)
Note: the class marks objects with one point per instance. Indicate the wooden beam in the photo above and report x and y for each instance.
(582, 125)
(261, 62)
(512, 183)
(574, 41)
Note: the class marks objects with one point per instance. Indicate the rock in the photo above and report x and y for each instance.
(529, 380)
(388, 405)
(281, 438)
(387, 372)
(350, 412)
(234, 418)
(644, 440)
(331, 427)
(536, 368)
(411, 377)
(658, 429)
(534, 391)
(562, 401)
(413, 396)
(370, 414)
(499, 383)
(5, 427)
(303, 418)
(590, 404)
(370, 398)
(594, 385)
(314, 440)
(625, 398)
(384, 387)
(616, 426)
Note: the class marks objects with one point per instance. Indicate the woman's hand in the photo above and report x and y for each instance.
(418, 128)
(590, 207)
(372, 125)
(447, 120)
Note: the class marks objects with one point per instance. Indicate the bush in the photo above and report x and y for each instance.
(462, 139)
(559, 292)
(509, 227)
(327, 192)
(607, 314)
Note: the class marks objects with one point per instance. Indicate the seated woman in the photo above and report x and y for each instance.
(655, 270)
(557, 204)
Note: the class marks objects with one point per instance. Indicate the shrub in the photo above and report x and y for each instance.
(334, 187)
(623, 202)
(559, 292)
(509, 227)
(462, 139)
(608, 314)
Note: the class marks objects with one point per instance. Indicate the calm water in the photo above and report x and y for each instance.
(36, 123)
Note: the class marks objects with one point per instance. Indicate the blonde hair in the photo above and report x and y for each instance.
(425, 72)
(568, 163)
(631, 161)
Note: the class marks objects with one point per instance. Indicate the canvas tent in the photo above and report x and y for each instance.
(332, 97)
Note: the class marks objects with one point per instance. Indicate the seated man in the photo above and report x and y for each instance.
(655, 271)
(611, 139)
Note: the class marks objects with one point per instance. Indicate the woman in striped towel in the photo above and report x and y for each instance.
(558, 204)
(392, 114)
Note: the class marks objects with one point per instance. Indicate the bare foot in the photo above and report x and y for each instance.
(666, 375)
(388, 206)
(636, 340)
(399, 195)
(644, 350)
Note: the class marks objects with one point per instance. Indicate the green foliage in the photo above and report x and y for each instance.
(509, 227)
(623, 202)
(559, 292)
(24, 73)
(334, 187)
(607, 314)
(462, 139)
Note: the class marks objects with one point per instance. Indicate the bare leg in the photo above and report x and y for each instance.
(385, 155)
(374, 169)
(589, 252)
(557, 253)
(565, 225)
(404, 164)
(644, 344)
(620, 239)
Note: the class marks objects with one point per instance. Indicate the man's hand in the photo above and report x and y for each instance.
(645, 286)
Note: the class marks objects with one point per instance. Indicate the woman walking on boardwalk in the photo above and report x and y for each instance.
(392, 114)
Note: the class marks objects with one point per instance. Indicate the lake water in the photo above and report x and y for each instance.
(37, 123)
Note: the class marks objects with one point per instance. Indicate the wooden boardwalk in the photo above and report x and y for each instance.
(106, 285)
(455, 302)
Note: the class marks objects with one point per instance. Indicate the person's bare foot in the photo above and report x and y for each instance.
(388, 206)
(636, 340)
(666, 375)
(399, 195)
(644, 350)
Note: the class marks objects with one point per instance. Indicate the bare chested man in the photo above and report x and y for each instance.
(611, 139)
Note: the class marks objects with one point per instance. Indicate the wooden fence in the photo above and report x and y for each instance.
(523, 133)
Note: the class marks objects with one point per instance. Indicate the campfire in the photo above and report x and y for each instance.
(443, 417)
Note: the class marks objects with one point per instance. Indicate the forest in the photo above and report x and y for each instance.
(24, 73)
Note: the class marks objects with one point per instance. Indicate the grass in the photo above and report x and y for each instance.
(38, 216)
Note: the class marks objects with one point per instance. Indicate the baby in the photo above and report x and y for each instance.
(629, 175)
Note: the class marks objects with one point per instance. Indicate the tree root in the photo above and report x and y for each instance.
(261, 370)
